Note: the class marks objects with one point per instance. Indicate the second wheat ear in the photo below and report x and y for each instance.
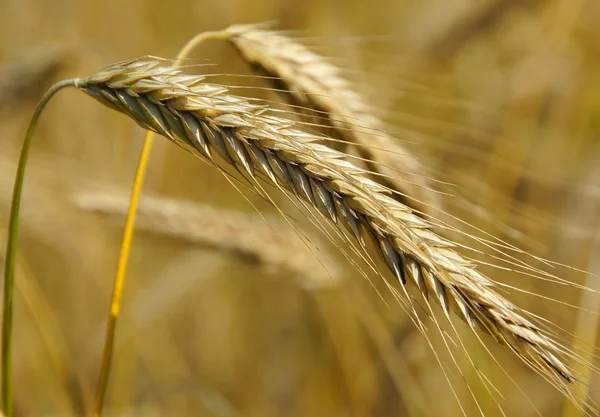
(314, 82)
(207, 121)
(311, 82)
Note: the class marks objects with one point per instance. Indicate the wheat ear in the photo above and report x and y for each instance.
(229, 131)
(269, 243)
(315, 83)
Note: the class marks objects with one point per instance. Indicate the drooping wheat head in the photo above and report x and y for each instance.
(229, 131)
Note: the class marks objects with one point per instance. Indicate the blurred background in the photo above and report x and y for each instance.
(225, 317)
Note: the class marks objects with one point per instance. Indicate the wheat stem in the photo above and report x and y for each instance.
(47, 325)
(11, 247)
(119, 281)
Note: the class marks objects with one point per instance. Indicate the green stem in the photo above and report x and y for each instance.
(11, 248)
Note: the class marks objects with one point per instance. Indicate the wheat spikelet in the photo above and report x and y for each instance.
(315, 83)
(271, 244)
(229, 131)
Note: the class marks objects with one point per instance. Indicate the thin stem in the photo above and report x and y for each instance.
(197, 40)
(119, 281)
(11, 248)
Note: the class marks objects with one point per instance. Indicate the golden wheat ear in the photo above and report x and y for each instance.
(229, 131)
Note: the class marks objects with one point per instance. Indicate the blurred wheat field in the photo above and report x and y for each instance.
(499, 98)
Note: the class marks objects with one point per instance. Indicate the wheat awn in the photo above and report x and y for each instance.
(207, 121)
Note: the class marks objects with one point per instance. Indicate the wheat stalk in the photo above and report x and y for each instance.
(265, 241)
(317, 84)
(207, 121)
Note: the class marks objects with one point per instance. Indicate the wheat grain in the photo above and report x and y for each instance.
(315, 83)
(207, 121)
(264, 241)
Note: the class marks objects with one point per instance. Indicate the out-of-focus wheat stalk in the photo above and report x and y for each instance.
(469, 25)
(276, 247)
(229, 131)
(49, 329)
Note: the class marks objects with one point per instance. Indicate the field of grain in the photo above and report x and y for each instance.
(486, 114)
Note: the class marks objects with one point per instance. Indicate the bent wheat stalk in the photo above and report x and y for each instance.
(11, 249)
(229, 131)
(270, 244)
(315, 83)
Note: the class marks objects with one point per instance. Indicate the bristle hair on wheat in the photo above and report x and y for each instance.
(207, 121)
(275, 246)
(317, 84)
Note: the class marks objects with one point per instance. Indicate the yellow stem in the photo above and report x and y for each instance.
(119, 281)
